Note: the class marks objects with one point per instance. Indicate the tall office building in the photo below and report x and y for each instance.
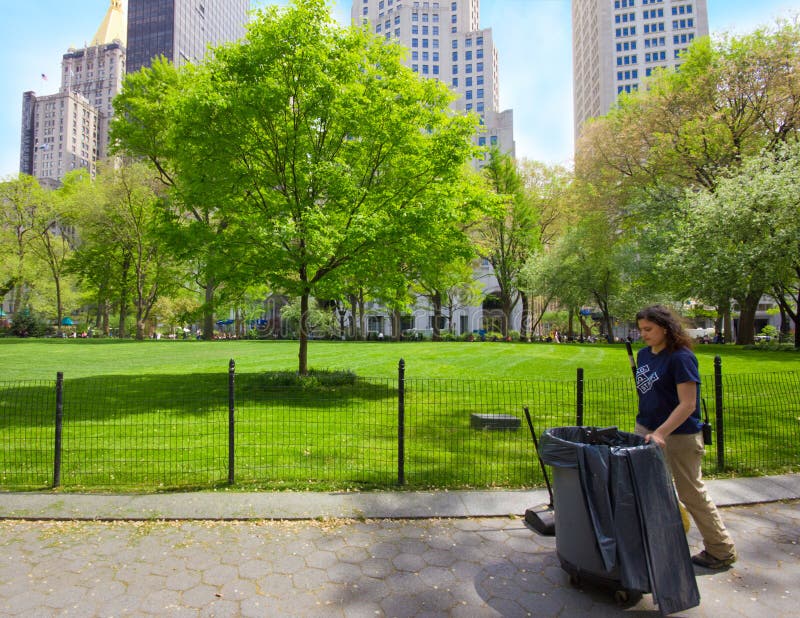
(445, 42)
(181, 30)
(616, 45)
(69, 130)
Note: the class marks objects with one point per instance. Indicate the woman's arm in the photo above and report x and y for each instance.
(687, 402)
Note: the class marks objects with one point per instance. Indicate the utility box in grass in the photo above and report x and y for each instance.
(494, 421)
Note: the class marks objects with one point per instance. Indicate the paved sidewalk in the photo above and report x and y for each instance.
(353, 505)
(390, 554)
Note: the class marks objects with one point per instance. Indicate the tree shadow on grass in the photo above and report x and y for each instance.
(33, 404)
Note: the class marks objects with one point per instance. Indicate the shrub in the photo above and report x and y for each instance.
(316, 378)
(29, 324)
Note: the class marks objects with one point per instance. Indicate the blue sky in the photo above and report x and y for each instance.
(536, 83)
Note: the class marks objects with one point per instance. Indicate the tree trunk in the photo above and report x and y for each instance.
(123, 298)
(508, 301)
(208, 309)
(747, 318)
(353, 315)
(525, 320)
(606, 318)
(397, 320)
(59, 308)
(140, 328)
(436, 299)
(302, 356)
(362, 331)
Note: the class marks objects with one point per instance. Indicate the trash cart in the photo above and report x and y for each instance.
(617, 519)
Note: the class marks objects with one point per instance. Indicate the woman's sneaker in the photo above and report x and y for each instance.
(706, 560)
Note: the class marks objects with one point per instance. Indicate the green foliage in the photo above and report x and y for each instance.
(323, 154)
(769, 331)
(320, 321)
(27, 323)
(315, 379)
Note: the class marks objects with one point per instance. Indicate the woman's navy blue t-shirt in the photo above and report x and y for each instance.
(657, 379)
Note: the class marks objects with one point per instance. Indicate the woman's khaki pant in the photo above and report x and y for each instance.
(684, 455)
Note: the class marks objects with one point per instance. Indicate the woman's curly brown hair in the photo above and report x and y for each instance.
(666, 318)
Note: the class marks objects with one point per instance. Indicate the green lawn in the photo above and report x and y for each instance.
(154, 415)
(41, 359)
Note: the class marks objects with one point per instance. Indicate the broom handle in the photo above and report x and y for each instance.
(541, 463)
(631, 359)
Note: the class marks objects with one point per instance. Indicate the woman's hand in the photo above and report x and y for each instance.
(655, 437)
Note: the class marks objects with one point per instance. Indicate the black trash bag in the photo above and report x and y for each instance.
(669, 561)
(588, 449)
(632, 507)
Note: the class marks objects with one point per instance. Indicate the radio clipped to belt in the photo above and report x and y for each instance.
(706, 427)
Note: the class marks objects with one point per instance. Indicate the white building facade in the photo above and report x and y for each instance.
(445, 42)
(616, 45)
(69, 130)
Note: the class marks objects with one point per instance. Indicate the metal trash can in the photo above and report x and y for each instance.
(616, 515)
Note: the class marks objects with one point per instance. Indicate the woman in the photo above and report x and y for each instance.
(668, 382)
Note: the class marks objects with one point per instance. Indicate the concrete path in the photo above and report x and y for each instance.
(388, 554)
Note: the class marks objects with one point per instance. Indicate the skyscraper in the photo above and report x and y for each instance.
(445, 42)
(181, 30)
(616, 44)
(69, 130)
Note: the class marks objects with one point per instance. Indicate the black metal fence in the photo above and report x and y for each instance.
(169, 432)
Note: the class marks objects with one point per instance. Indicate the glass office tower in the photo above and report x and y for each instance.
(181, 30)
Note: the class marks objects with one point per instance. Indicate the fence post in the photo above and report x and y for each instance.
(719, 414)
(59, 425)
(579, 396)
(401, 422)
(231, 407)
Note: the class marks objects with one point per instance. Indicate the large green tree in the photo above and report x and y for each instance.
(744, 239)
(21, 201)
(321, 148)
(194, 225)
(733, 98)
(509, 234)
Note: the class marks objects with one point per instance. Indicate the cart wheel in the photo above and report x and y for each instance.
(574, 580)
(621, 596)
